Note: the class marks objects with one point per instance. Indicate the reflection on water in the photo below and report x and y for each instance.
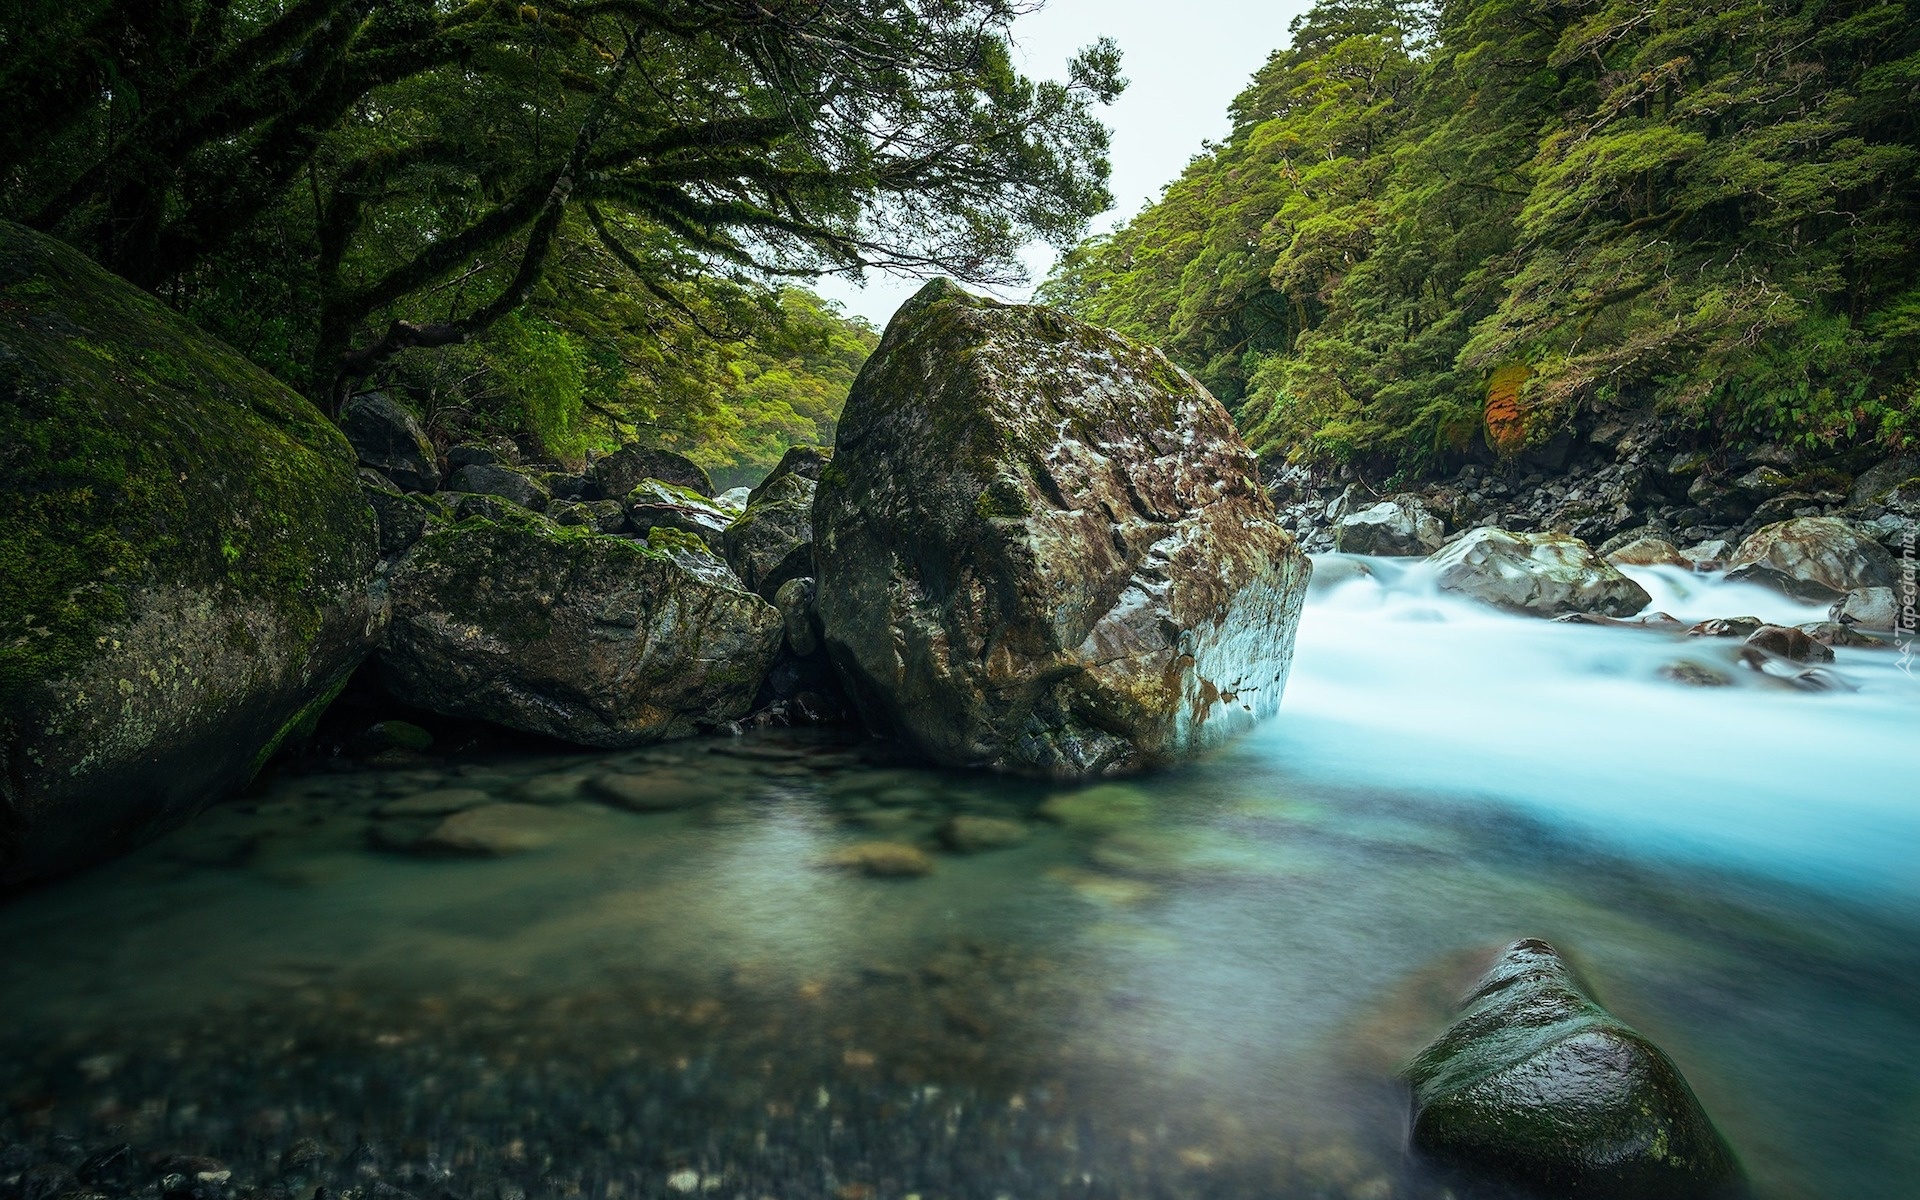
(1194, 984)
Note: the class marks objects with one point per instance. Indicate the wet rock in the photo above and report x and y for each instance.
(499, 452)
(186, 567)
(466, 505)
(1710, 555)
(552, 789)
(595, 640)
(1538, 574)
(48, 1181)
(1399, 526)
(1095, 809)
(515, 486)
(806, 462)
(1538, 1084)
(651, 791)
(403, 517)
(600, 516)
(497, 829)
(436, 803)
(1043, 548)
(1833, 633)
(1648, 552)
(968, 834)
(1876, 481)
(798, 617)
(1693, 674)
(1788, 643)
(1330, 571)
(734, 500)
(623, 470)
(656, 504)
(1812, 558)
(387, 438)
(772, 541)
(1875, 608)
(883, 860)
(1719, 627)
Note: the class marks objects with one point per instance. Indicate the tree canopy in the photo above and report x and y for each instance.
(332, 184)
(1432, 225)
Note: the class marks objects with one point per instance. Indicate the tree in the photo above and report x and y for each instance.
(395, 175)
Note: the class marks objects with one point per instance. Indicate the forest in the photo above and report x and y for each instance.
(587, 221)
(1430, 221)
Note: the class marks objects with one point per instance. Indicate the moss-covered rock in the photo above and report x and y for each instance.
(657, 504)
(1043, 548)
(603, 641)
(183, 572)
(772, 542)
(1538, 1084)
(388, 439)
(511, 484)
(623, 470)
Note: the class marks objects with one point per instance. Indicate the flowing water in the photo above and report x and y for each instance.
(1195, 984)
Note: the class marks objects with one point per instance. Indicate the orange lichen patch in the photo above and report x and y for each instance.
(1506, 414)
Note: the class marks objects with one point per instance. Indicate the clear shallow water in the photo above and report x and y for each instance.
(1195, 984)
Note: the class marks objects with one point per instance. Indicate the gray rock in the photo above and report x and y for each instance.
(1875, 608)
(509, 483)
(1538, 1084)
(386, 438)
(1812, 558)
(496, 829)
(805, 461)
(798, 616)
(623, 470)
(1648, 552)
(403, 517)
(1399, 526)
(1044, 548)
(734, 500)
(185, 568)
(600, 516)
(597, 640)
(1876, 481)
(1794, 645)
(498, 452)
(1539, 574)
(1710, 555)
(656, 504)
(1692, 674)
(772, 542)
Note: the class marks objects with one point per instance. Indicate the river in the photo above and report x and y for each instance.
(1195, 984)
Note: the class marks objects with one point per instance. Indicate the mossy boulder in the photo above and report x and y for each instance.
(184, 569)
(1539, 1085)
(623, 470)
(511, 484)
(772, 542)
(603, 641)
(388, 439)
(657, 504)
(1043, 548)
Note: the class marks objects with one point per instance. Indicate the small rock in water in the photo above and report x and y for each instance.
(1540, 1085)
(1694, 674)
(969, 834)
(551, 789)
(655, 791)
(1719, 627)
(1108, 806)
(1788, 643)
(496, 829)
(1833, 633)
(1873, 608)
(436, 803)
(883, 860)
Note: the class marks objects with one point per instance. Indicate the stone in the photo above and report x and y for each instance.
(1794, 645)
(1876, 481)
(795, 600)
(1710, 555)
(1875, 608)
(600, 516)
(1098, 809)
(403, 518)
(1537, 574)
(497, 452)
(1719, 627)
(1833, 633)
(186, 567)
(1537, 1084)
(970, 834)
(649, 791)
(883, 860)
(387, 439)
(1399, 526)
(734, 500)
(402, 735)
(623, 470)
(597, 640)
(1812, 558)
(497, 829)
(1043, 548)
(436, 803)
(508, 483)
(656, 504)
(772, 541)
(1648, 552)
(807, 462)
(1693, 674)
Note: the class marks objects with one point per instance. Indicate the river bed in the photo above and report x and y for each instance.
(1194, 984)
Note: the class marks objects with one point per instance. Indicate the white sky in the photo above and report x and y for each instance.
(1185, 63)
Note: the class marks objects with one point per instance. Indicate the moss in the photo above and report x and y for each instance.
(301, 725)
(117, 420)
(1001, 498)
(662, 538)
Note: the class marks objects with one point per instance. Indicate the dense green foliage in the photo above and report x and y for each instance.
(337, 186)
(1519, 210)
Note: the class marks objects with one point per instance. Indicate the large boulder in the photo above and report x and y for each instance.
(184, 567)
(508, 483)
(1400, 526)
(386, 438)
(1044, 548)
(623, 470)
(772, 542)
(654, 504)
(1539, 574)
(1539, 1085)
(1812, 558)
(1876, 608)
(603, 641)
